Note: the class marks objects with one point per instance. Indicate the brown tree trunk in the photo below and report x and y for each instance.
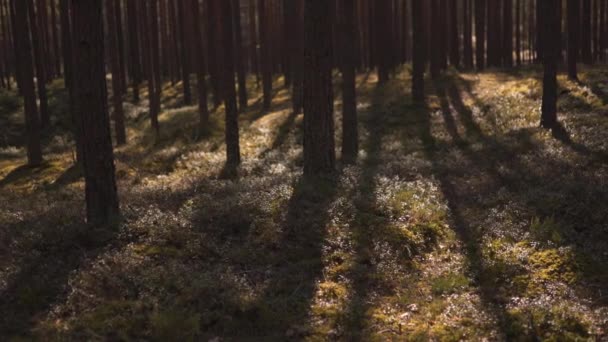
(185, 48)
(480, 33)
(419, 50)
(350, 135)
(550, 56)
(233, 153)
(26, 80)
(319, 143)
(518, 32)
(134, 54)
(454, 33)
(90, 102)
(573, 37)
(203, 109)
(586, 33)
(240, 63)
(508, 33)
(39, 59)
(119, 113)
(266, 62)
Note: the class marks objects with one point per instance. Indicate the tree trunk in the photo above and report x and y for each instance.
(319, 144)
(550, 55)
(185, 47)
(586, 33)
(480, 33)
(240, 63)
(419, 50)
(453, 33)
(90, 102)
(350, 136)
(203, 109)
(573, 38)
(39, 59)
(265, 62)
(26, 79)
(134, 56)
(119, 113)
(508, 33)
(233, 153)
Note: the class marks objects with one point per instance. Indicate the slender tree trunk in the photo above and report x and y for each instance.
(518, 32)
(383, 40)
(265, 62)
(134, 56)
(573, 38)
(480, 33)
(350, 136)
(508, 33)
(26, 80)
(183, 33)
(319, 144)
(454, 33)
(119, 113)
(419, 50)
(55, 32)
(203, 109)
(550, 55)
(45, 118)
(467, 35)
(154, 75)
(586, 32)
(120, 43)
(240, 63)
(233, 153)
(90, 100)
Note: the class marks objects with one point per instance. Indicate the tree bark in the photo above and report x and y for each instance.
(319, 143)
(265, 62)
(203, 109)
(90, 102)
(419, 50)
(185, 61)
(233, 152)
(350, 135)
(41, 76)
(550, 55)
(480, 33)
(119, 113)
(573, 37)
(26, 80)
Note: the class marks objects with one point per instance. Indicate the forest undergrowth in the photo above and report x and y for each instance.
(462, 220)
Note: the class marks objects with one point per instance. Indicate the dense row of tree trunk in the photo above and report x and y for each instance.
(222, 42)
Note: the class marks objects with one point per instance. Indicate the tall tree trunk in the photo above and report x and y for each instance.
(453, 33)
(573, 37)
(383, 40)
(55, 33)
(26, 80)
(550, 55)
(120, 41)
(203, 109)
(119, 113)
(90, 102)
(518, 32)
(480, 33)
(239, 56)
(319, 143)
(350, 136)
(508, 33)
(419, 50)
(134, 54)
(39, 59)
(586, 33)
(185, 48)
(154, 76)
(265, 62)
(467, 34)
(436, 34)
(233, 152)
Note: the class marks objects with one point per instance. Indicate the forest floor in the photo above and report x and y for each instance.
(462, 221)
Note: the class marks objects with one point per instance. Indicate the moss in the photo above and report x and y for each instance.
(553, 265)
(554, 324)
(449, 283)
(177, 325)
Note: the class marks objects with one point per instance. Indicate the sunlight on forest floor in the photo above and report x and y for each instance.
(461, 221)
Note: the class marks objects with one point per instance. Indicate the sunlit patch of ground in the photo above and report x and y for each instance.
(461, 221)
